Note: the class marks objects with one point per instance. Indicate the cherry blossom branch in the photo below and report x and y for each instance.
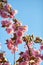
(15, 27)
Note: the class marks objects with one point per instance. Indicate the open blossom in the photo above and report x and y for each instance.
(35, 52)
(12, 48)
(19, 33)
(6, 23)
(25, 55)
(16, 25)
(23, 28)
(8, 11)
(33, 60)
(19, 41)
(4, 14)
(10, 30)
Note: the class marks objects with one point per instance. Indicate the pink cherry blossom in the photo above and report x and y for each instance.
(23, 28)
(4, 14)
(19, 41)
(19, 33)
(30, 55)
(35, 52)
(25, 55)
(9, 30)
(12, 46)
(6, 23)
(16, 25)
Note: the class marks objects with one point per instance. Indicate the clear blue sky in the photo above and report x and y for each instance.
(30, 12)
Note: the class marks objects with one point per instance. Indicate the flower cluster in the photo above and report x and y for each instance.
(14, 27)
(30, 58)
(6, 10)
(17, 29)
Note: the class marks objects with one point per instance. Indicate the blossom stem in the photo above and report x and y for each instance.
(14, 59)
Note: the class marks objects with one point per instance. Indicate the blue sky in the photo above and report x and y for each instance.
(30, 12)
